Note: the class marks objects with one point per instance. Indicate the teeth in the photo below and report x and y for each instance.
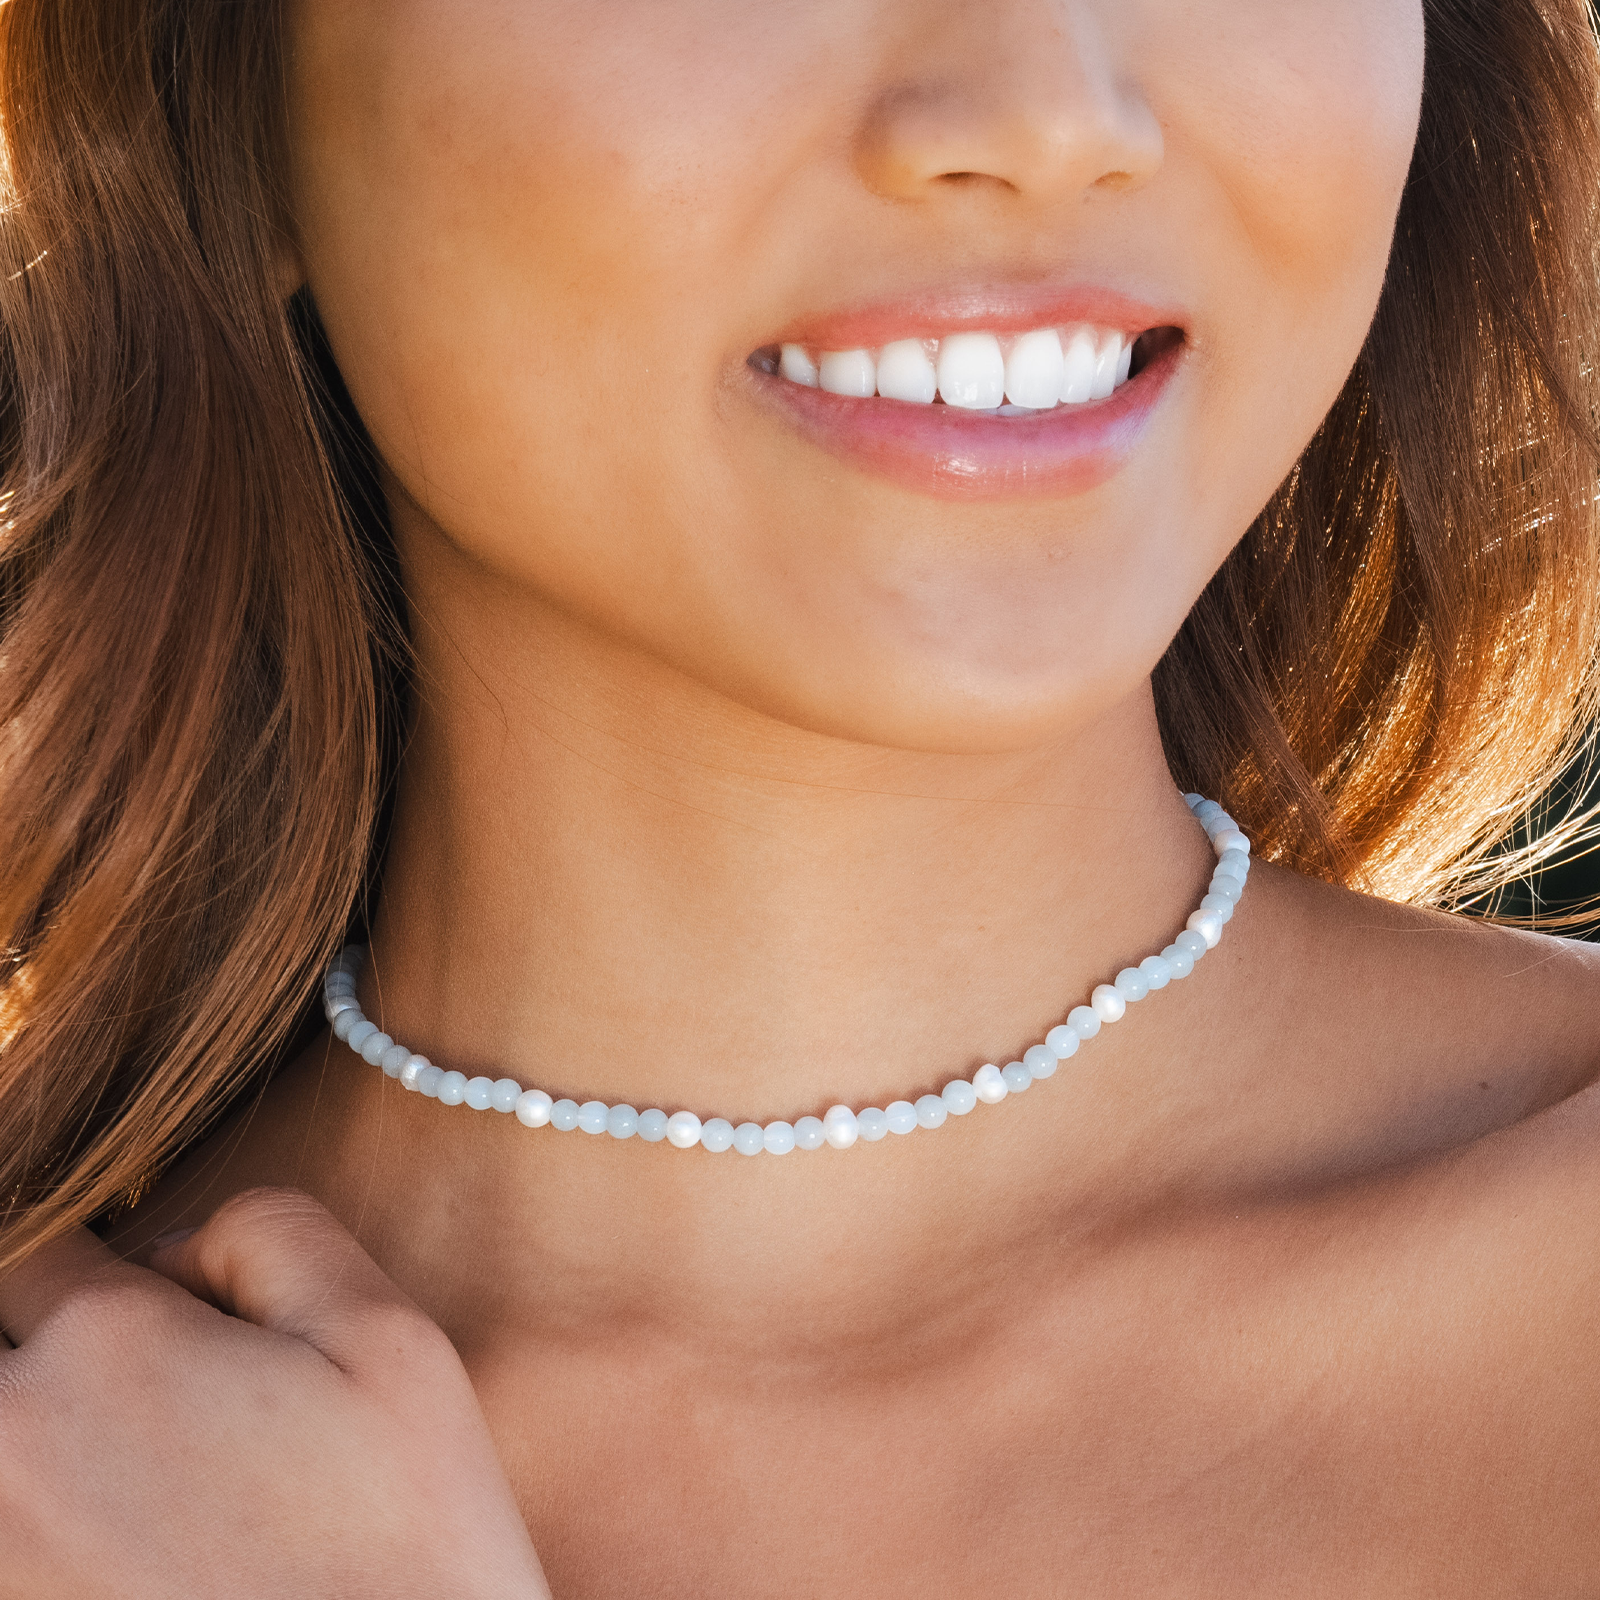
(848, 372)
(972, 372)
(906, 373)
(1033, 370)
(1017, 376)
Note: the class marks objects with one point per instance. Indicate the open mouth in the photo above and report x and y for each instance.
(1006, 375)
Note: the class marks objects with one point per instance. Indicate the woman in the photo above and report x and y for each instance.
(793, 495)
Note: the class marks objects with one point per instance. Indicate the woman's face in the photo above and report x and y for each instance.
(559, 246)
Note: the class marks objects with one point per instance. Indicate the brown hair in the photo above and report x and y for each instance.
(1381, 676)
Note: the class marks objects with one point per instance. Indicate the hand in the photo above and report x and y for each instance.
(264, 1413)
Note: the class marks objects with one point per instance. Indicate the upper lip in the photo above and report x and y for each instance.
(999, 309)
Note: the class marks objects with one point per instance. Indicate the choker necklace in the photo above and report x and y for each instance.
(841, 1126)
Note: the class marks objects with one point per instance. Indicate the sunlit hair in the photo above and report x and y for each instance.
(1381, 678)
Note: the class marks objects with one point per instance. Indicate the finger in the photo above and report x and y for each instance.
(277, 1258)
(33, 1289)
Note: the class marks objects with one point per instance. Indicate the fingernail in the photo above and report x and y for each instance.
(167, 1240)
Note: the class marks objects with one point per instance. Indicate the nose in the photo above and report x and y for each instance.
(1027, 98)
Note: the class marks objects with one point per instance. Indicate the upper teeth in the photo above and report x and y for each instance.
(975, 371)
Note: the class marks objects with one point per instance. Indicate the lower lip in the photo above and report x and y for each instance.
(951, 454)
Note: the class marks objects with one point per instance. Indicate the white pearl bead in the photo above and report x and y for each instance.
(777, 1138)
(716, 1135)
(1131, 984)
(959, 1096)
(932, 1111)
(393, 1060)
(989, 1084)
(1157, 972)
(592, 1115)
(478, 1092)
(902, 1116)
(652, 1126)
(358, 1035)
(840, 1127)
(1208, 925)
(1062, 1042)
(809, 1134)
(1083, 1021)
(872, 1123)
(1017, 1077)
(452, 1088)
(1194, 943)
(1231, 839)
(346, 1023)
(1108, 1005)
(503, 1096)
(749, 1138)
(1235, 861)
(1040, 1060)
(1220, 904)
(533, 1108)
(428, 1081)
(683, 1130)
(373, 1047)
(622, 1122)
(564, 1116)
(1179, 962)
(411, 1072)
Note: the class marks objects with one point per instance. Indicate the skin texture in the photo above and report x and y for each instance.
(746, 780)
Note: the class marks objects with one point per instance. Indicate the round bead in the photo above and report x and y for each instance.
(452, 1088)
(372, 1048)
(902, 1116)
(683, 1130)
(1157, 971)
(504, 1095)
(334, 1004)
(564, 1116)
(1193, 800)
(1230, 839)
(622, 1122)
(359, 1033)
(872, 1123)
(393, 1060)
(1062, 1042)
(959, 1096)
(346, 1022)
(478, 1093)
(1131, 984)
(1108, 1005)
(716, 1135)
(1083, 1022)
(338, 978)
(777, 1138)
(1219, 904)
(411, 1072)
(533, 1108)
(989, 1084)
(749, 1138)
(1206, 810)
(1225, 885)
(429, 1079)
(1040, 1061)
(1236, 862)
(1017, 1077)
(592, 1116)
(809, 1134)
(841, 1127)
(652, 1126)
(1208, 925)
(931, 1111)
(1194, 943)
(1179, 962)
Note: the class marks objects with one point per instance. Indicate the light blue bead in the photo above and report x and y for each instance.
(1017, 1076)
(479, 1093)
(506, 1093)
(902, 1116)
(1191, 943)
(959, 1096)
(872, 1123)
(777, 1138)
(652, 1126)
(592, 1115)
(359, 1034)
(717, 1135)
(564, 1115)
(1040, 1060)
(809, 1134)
(428, 1081)
(749, 1138)
(1083, 1022)
(1062, 1042)
(932, 1111)
(1131, 984)
(1179, 962)
(622, 1122)
(1157, 971)
(452, 1089)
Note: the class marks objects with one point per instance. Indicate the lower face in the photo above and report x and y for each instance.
(901, 369)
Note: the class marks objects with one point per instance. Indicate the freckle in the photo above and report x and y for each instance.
(1483, 1085)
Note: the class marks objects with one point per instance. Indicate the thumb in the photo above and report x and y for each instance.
(277, 1258)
